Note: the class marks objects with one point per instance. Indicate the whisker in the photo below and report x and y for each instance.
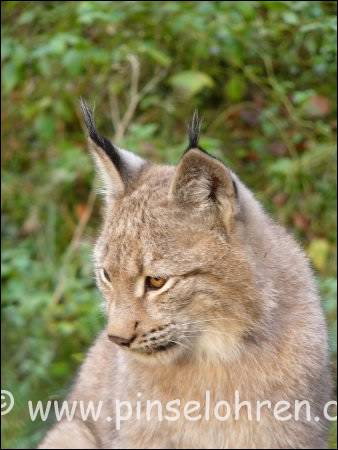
(180, 343)
(227, 319)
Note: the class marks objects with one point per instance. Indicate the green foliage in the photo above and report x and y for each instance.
(261, 73)
(190, 82)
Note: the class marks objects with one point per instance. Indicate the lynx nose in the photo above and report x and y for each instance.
(123, 342)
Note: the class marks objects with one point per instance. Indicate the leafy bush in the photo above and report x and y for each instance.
(263, 76)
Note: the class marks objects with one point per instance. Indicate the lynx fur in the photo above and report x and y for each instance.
(238, 313)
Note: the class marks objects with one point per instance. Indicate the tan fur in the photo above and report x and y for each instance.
(241, 303)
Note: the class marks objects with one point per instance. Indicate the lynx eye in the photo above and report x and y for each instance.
(155, 282)
(105, 276)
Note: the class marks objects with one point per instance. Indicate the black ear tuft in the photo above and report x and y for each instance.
(194, 129)
(99, 140)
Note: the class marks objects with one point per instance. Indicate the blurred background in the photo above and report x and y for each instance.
(263, 76)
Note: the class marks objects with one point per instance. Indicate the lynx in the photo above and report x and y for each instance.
(204, 293)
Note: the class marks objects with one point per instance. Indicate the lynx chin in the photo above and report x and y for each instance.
(203, 291)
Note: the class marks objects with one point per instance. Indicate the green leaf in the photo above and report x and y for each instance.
(45, 127)
(159, 56)
(10, 77)
(318, 251)
(291, 18)
(73, 61)
(191, 82)
(235, 88)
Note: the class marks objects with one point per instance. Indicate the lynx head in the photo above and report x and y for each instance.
(171, 261)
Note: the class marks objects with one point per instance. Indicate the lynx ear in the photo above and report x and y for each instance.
(115, 166)
(202, 183)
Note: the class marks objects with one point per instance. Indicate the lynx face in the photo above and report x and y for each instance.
(171, 258)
